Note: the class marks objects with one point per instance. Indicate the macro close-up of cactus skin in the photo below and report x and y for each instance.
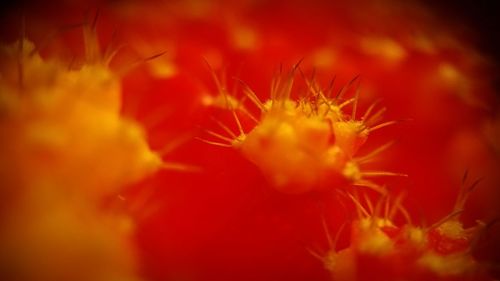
(247, 140)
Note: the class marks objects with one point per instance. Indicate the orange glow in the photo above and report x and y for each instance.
(246, 140)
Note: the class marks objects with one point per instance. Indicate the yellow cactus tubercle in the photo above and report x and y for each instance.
(65, 148)
(301, 143)
(64, 126)
(450, 265)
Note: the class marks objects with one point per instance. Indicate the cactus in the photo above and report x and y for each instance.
(136, 161)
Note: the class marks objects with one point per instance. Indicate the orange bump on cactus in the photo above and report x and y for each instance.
(379, 249)
(306, 142)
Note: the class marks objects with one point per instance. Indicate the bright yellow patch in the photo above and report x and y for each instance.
(450, 265)
(452, 229)
(386, 48)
